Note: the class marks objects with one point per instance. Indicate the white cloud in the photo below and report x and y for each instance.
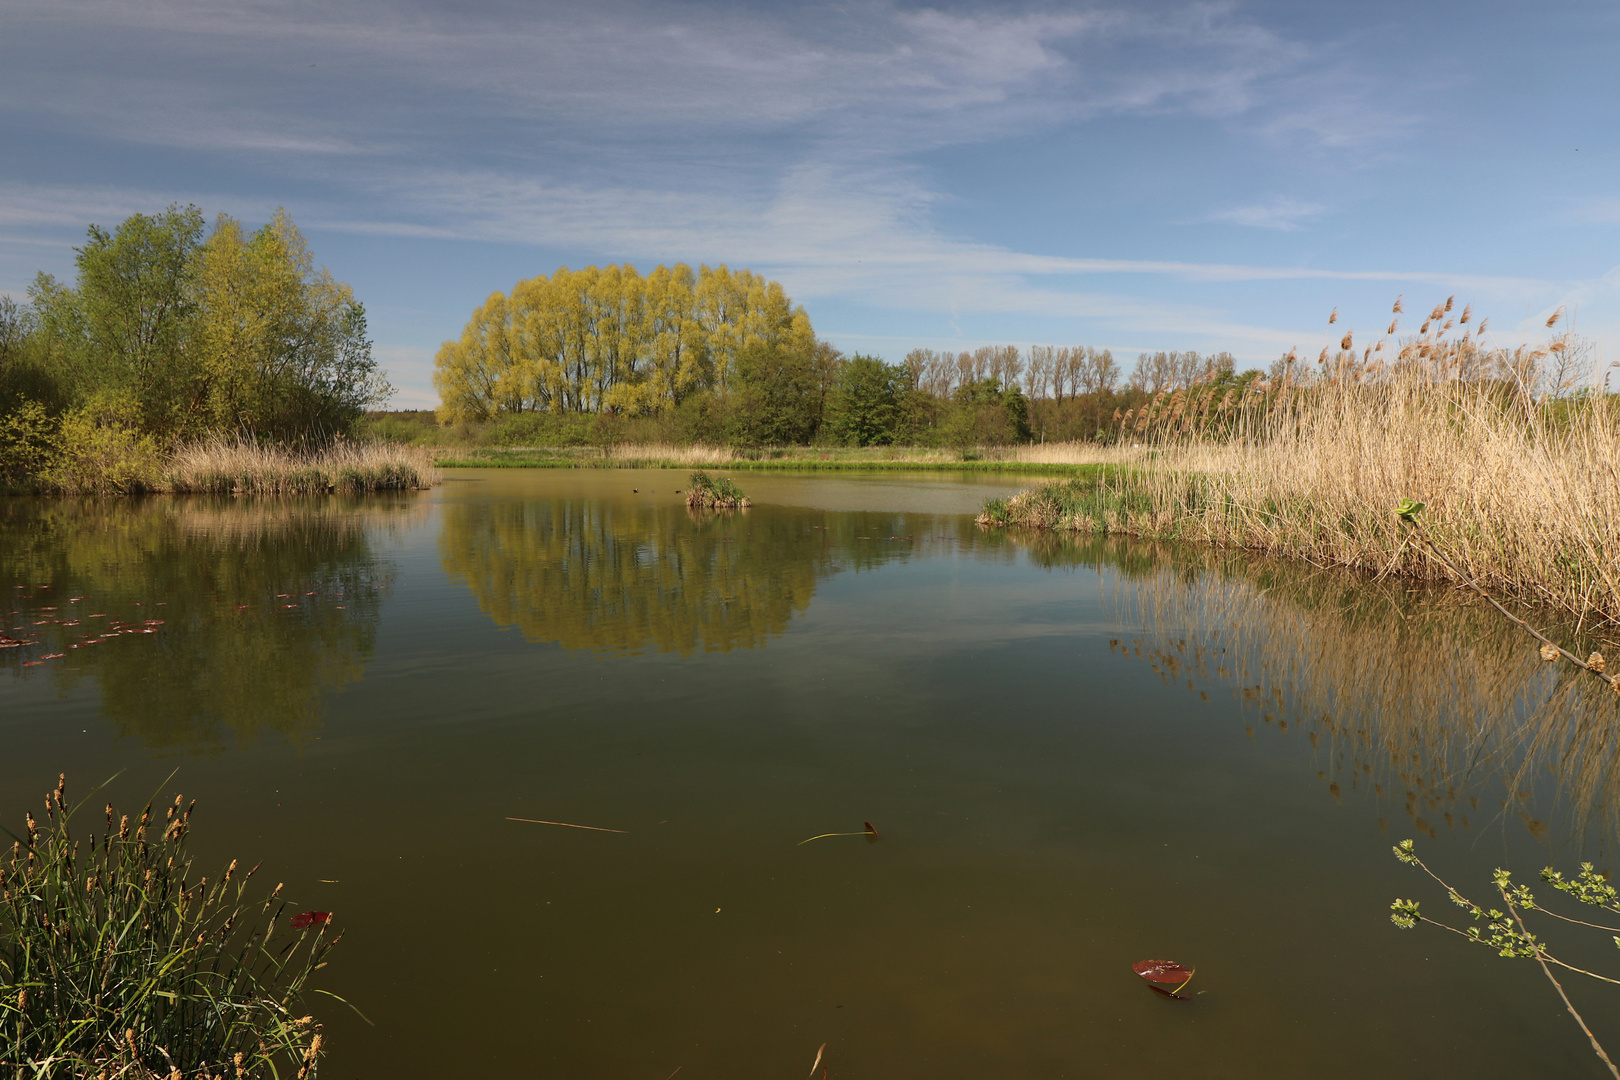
(1283, 214)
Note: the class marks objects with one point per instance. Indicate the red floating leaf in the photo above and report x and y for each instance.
(871, 830)
(306, 919)
(1162, 971)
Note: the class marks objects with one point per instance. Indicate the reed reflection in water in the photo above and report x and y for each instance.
(252, 609)
(1425, 697)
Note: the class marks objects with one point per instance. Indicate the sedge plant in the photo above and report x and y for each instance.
(118, 959)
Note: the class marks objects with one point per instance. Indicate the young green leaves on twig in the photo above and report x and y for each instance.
(1504, 929)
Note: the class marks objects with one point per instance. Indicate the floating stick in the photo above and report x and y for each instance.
(566, 824)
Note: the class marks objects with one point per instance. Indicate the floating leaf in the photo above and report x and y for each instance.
(820, 1050)
(1163, 971)
(306, 919)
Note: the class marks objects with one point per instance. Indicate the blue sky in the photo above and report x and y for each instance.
(1133, 175)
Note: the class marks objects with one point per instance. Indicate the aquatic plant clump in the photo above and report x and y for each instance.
(117, 960)
(715, 493)
(1084, 504)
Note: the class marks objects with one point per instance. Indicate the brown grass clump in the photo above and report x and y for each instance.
(669, 454)
(225, 467)
(1515, 457)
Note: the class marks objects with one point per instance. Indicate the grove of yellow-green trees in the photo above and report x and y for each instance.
(612, 340)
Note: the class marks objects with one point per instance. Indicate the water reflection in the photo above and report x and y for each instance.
(619, 577)
(194, 620)
(1424, 698)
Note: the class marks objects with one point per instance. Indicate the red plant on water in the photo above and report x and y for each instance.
(306, 919)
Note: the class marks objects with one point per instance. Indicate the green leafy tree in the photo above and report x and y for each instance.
(865, 407)
(773, 400)
(136, 308)
(985, 414)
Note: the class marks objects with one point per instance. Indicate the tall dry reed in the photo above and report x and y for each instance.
(1520, 477)
(225, 467)
(670, 454)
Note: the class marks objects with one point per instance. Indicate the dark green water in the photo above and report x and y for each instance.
(1078, 755)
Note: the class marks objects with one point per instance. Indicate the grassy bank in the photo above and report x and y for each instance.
(1065, 459)
(1522, 494)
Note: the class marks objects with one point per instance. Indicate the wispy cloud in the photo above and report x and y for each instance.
(1284, 214)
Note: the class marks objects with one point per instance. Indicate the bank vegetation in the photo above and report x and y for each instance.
(1515, 453)
(187, 356)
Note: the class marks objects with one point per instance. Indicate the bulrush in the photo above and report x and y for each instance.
(112, 965)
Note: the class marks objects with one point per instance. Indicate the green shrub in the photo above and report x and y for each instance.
(28, 445)
(101, 450)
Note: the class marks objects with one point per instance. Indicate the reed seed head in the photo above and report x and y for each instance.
(1333, 318)
(1549, 653)
(1595, 661)
(1552, 320)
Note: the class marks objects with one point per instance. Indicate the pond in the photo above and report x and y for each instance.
(1077, 754)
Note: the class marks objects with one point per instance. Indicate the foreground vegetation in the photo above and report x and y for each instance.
(1514, 453)
(116, 959)
(175, 335)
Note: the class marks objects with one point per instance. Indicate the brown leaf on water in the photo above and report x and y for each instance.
(819, 1051)
(1163, 971)
(871, 830)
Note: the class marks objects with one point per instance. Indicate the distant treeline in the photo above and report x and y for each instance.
(174, 332)
(725, 357)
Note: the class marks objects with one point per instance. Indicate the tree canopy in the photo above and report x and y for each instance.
(611, 340)
(183, 331)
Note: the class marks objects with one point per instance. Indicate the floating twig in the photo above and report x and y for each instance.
(566, 824)
(869, 832)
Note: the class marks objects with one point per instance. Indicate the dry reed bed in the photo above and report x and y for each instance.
(1521, 484)
(222, 468)
(670, 454)
(1524, 505)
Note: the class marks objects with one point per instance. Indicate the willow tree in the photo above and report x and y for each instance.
(280, 346)
(612, 340)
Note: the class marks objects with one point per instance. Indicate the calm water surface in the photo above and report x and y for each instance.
(1078, 755)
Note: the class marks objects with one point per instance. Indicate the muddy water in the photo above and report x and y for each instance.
(1077, 756)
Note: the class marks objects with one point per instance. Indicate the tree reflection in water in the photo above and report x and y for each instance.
(620, 578)
(265, 605)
